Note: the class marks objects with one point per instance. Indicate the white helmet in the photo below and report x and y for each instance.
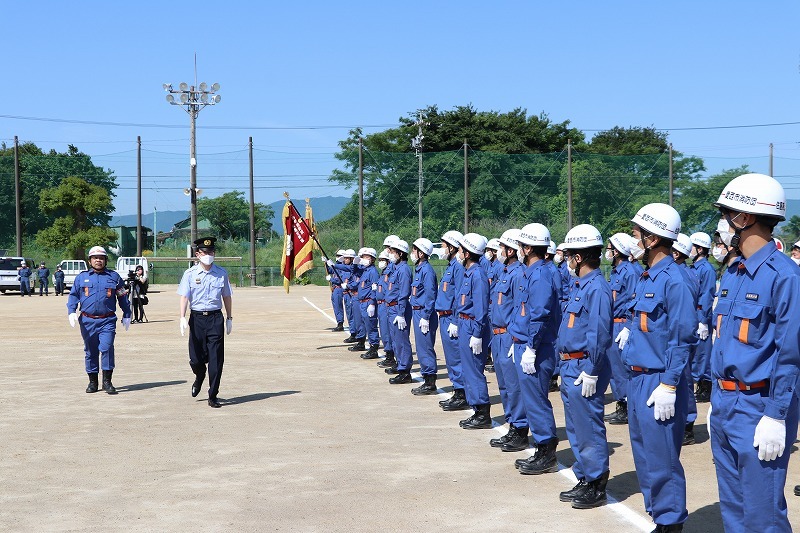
(349, 253)
(757, 194)
(424, 245)
(339, 252)
(390, 239)
(453, 237)
(400, 244)
(683, 244)
(384, 255)
(659, 219)
(796, 245)
(551, 248)
(562, 247)
(98, 250)
(621, 241)
(583, 236)
(534, 235)
(509, 238)
(493, 244)
(368, 251)
(701, 239)
(474, 243)
(360, 252)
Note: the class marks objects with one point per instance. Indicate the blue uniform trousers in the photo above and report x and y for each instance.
(452, 356)
(98, 338)
(750, 491)
(691, 413)
(586, 430)
(357, 327)
(701, 362)
(401, 340)
(383, 324)
(656, 448)
(348, 309)
(534, 389)
(370, 324)
(44, 284)
(620, 374)
(507, 381)
(472, 366)
(426, 354)
(336, 302)
(24, 286)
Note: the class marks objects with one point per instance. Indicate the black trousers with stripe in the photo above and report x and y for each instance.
(207, 347)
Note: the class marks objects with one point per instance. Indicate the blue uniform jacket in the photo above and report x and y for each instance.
(383, 282)
(24, 273)
(566, 280)
(662, 322)
(502, 295)
(399, 289)
(758, 331)
(586, 326)
(43, 273)
(535, 316)
(473, 300)
(98, 293)
(423, 288)
(368, 276)
(623, 284)
(449, 286)
(707, 279)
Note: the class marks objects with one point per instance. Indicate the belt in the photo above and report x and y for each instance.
(416, 307)
(730, 385)
(639, 369)
(206, 313)
(444, 313)
(566, 356)
(392, 304)
(365, 300)
(98, 316)
(465, 316)
(381, 301)
(620, 320)
(516, 340)
(498, 331)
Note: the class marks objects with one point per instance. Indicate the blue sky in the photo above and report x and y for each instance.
(292, 65)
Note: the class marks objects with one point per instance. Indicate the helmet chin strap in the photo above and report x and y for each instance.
(737, 232)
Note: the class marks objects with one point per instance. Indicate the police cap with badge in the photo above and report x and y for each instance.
(206, 244)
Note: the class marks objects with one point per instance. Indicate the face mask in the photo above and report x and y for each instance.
(414, 257)
(206, 259)
(719, 254)
(609, 255)
(558, 258)
(366, 262)
(572, 272)
(636, 251)
(394, 258)
(724, 230)
(488, 255)
(382, 263)
(693, 253)
(796, 261)
(459, 256)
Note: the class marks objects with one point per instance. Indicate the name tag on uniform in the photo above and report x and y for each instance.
(751, 296)
(197, 280)
(649, 294)
(724, 293)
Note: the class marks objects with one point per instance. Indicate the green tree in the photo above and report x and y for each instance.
(790, 231)
(82, 211)
(229, 215)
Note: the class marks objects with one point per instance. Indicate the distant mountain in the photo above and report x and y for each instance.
(325, 207)
(164, 219)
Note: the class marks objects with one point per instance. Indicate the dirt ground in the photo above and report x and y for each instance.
(310, 437)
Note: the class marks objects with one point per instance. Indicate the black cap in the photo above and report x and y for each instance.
(205, 243)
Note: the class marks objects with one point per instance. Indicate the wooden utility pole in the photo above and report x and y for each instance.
(360, 192)
(18, 196)
(253, 269)
(466, 189)
(569, 184)
(138, 196)
(671, 178)
(770, 161)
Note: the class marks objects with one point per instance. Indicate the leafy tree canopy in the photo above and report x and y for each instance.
(229, 215)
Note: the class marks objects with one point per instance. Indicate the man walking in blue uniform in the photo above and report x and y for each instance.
(399, 316)
(707, 279)
(449, 286)
(533, 332)
(756, 360)
(95, 294)
(655, 346)
(426, 321)
(204, 288)
(583, 341)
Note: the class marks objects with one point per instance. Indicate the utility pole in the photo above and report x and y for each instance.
(466, 189)
(252, 221)
(138, 196)
(193, 99)
(18, 196)
(770, 161)
(360, 192)
(416, 143)
(155, 231)
(671, 179)
(569, 184)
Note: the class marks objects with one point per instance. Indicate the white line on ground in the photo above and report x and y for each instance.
(329, 317)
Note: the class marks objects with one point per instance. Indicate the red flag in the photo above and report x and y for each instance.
(297, 245)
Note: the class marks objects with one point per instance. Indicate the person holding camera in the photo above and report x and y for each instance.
(138, 283)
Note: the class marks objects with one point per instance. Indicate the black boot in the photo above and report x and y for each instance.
(403, 376)
(668, 529)
(688, 434)
(339, 327)
(351, 339)
(480, 420)
(577, 490)
(703, 392)
(594, 495)
(620, 415)
(389, 362)
(372, 353)
(797, 490)
(517, 442)
(497, 443)
(107, 386)
(359, 346)
(458, 402)
(489, 364)
(427, 388)
(553, 384)
(92, 382)
(392, 369)
(197, 385)
(544, 460)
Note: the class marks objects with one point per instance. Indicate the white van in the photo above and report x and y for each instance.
(70, 268)
(125, 265)
(8, 273)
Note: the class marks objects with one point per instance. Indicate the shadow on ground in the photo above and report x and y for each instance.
(152, 385)
(256, 397)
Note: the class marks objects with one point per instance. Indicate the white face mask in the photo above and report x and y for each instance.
(207, 259)
(724, 230)
(394, 258)
(609, 255)
(636, 251)
(488, 255)
(382, 263)
(460, 256)
(796, 261)
(719, 253)
(366, 262)
(414, 257)
(558, 258)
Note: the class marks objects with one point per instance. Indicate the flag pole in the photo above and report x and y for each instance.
(310, 232)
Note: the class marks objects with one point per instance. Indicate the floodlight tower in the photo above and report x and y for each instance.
(193, 99)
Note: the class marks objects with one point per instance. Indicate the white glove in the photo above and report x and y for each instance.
(374, 286)
(622, 338)
(528, 360)
(371, 310)
(401, 323)
(184, 326)
(770, 438)
(589, 384)
(343, 286)
(328, 277)
(356, 260)
(126, 322)
(73, 319)
(424, 325)
(452, 330)
(228, 326)
(475, 345)
(702, 331)
(329, 262)
(664, 399)
(511, 352)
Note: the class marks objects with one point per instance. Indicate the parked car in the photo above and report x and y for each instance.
(8, 273)
(70, 268)
(126, 265)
